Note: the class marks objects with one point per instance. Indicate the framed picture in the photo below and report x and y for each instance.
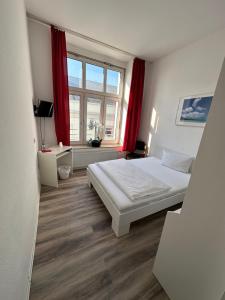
(193, 110)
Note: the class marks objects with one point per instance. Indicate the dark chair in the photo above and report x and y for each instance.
(139, 152)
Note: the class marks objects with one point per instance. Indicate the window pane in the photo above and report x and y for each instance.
(93, 117)
(111, 114)
(74, 72)
(94, 78)
(113, 82)
(74, 118)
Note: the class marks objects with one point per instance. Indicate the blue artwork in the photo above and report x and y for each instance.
(194, 111)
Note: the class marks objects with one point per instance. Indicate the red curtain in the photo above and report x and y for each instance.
(134, 105)
(60, 86)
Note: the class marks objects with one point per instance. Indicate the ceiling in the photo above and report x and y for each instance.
(147, 28)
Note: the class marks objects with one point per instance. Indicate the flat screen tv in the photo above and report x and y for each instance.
(45, 109)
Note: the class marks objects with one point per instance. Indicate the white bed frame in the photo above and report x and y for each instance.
(121, 220)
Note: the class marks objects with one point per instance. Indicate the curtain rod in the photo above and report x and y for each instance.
(42, 21)
(95, 60)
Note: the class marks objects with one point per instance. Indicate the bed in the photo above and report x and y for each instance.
(122, 209)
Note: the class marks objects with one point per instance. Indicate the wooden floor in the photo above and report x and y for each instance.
(77, 255)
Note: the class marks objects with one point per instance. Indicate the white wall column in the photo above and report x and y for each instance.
(190, 263)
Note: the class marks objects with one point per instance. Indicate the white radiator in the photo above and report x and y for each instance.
(82, 157)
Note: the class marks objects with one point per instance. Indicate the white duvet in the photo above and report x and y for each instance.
(132, 180)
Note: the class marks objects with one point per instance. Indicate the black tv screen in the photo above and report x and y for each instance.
(45, 109)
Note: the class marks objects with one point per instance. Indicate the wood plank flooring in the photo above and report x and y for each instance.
(77, 255)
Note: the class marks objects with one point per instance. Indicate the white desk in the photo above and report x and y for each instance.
(49, 162)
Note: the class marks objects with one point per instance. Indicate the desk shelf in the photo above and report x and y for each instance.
(49, 162)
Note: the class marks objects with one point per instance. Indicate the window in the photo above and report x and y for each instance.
(94, 78)
(93, 117)
(74, 73)
(111, 111)
(113, 82)
(74, 118)
(95, 100)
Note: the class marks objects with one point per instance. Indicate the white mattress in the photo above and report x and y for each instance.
(176, 180)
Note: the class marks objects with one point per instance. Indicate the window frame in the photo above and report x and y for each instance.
(85, 93)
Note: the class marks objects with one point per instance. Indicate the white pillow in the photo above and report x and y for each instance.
(177, 161)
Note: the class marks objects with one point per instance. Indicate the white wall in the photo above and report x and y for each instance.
(19, 188)
(188, 71)
(40, 48)
(190, 262)
(41, 63)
